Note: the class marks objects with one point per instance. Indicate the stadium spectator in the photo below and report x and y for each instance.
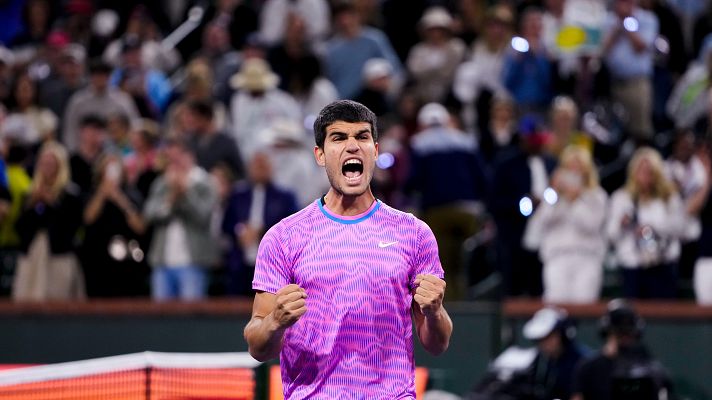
(118, 127)
(23, 102)
(42, 57)
(77, 20)
(224, 60)
(564, 122)
(432, 62)
(499, 135)
(197, 86)
(527, 67)
(96, 99)
(518, 184)
(628, 54)
(141, 165)
(253, 207)
(47, 268)
(567, 230)
(687, 171)
(471, 17)
(351, 46)
(299, 69)
(257, 103)
(645, 223)
(179, 208)
(112, 252)
(150, 88)
(56, 90)
(19, 183)
(92, 139)
(276, 14)
(483, 71)
(210, 145)
(153, 55)
(377, 80)
(292, 161)
(239, 18)
(448, 179)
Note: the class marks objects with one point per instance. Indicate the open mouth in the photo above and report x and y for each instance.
(352, 168)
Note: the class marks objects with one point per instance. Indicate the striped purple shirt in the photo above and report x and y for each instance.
(355, 340)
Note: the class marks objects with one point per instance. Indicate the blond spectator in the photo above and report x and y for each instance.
(645, 223)
(567, 229)
(48, 268)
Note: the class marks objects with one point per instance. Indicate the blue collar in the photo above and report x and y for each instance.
(347, 220)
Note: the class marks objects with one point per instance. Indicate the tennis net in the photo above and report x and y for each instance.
(140, 376)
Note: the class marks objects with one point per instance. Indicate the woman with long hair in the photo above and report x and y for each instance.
(48, 225)
(567, 229)
(645, 225)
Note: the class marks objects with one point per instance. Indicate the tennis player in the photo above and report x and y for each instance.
(337, 282)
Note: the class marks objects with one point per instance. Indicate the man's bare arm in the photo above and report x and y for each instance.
(432, 322)
(272, 314)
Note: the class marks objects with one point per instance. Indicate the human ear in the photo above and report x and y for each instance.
(319, 156)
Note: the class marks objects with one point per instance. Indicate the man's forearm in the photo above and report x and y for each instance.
(264, 338)
(434, 331)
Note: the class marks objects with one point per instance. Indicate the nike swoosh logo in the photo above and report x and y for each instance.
(383, 244)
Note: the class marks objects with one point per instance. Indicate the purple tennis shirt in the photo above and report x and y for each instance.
(355, 340)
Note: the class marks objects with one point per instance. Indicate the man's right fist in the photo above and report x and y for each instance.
(291, 304)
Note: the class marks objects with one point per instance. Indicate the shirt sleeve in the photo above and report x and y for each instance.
(272, 269)
(427, 259)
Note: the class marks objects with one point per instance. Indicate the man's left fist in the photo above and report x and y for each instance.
(429, 293)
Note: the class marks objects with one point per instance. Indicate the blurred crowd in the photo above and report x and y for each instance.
(559, 148)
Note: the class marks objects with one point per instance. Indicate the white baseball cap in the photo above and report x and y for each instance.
(543, 323)
(376, 68)
(433, 114)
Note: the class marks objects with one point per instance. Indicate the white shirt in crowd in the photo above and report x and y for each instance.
(572, 245)
(666, 218)
(690, 177)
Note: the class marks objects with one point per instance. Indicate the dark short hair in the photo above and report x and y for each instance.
(343, 110)
(341, 6)
(93, 121)
(98, 66)
(202, 108)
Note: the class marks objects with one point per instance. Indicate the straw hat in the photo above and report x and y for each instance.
(255, 75)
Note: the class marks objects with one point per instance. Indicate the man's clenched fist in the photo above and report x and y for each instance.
(429, 293)
(291, 304)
